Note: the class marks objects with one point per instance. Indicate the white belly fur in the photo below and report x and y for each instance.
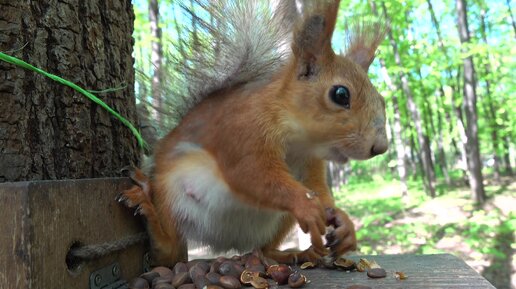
(209, 212)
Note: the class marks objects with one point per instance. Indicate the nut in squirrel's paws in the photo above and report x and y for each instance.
(342, 238)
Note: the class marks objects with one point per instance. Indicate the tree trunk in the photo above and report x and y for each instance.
(507, 155)
(457, 110)
(426, 155)
(47, 130)
(470, 106)
(156, 60)
(460, 126)
(398, 142)
(490, 103)
(440, 142)
(508, 2)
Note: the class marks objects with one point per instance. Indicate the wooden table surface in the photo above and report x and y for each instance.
(423, 271)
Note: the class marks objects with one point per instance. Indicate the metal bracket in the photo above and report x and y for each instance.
(107, 278)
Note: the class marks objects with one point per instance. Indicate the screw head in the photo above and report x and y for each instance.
(116, 270)
(98, 279)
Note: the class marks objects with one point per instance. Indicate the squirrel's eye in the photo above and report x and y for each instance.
(340, 95)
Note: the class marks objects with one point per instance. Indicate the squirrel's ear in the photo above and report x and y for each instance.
(363, 38)
(312, 38)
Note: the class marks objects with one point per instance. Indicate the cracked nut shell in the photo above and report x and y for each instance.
(345, 264)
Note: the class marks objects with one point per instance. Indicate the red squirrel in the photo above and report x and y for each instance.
(247, 160)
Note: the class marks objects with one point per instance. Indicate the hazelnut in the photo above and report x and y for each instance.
(164, 272)
(180, 267)
(198, 270)
(139, 283)
(230, 282)
(253, 261)
(279, 273)
(376, 273)
(149, 276)
(296, 280)
(159, 280)
(213, 277)
(228, 268)
(181, 278)
(201, 281)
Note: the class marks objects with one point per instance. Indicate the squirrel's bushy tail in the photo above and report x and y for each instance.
(231, 42)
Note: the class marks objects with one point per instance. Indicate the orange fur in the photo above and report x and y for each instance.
(262, 147)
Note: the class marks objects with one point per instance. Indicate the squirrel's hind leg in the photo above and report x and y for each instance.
(166, 245)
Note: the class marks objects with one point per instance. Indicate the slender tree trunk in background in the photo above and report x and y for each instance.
(338, 174)
(398, 142)
(513, 22)
(507, 156)
(426, 155)
(440, 157)
(440, 142)
(462, 132)
(491, 110)
(414, 158)
(460, 127)
(157, 61)
(470, 106)
(47, 130)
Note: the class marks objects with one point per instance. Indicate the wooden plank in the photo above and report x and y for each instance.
(14, 260)
(423, 271)
(41, 221)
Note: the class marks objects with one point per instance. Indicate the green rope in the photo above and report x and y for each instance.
(21, 63)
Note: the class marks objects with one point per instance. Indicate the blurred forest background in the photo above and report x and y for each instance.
(447, 72)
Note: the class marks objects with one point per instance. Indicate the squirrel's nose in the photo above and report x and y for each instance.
(379, 147)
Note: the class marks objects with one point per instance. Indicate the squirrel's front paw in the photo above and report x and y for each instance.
(138, 196)
(343, 238)
(311, 217)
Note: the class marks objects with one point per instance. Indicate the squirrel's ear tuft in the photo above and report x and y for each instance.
(362, 40)
(312, 36)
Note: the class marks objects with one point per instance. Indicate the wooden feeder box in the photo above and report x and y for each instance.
(43, 220)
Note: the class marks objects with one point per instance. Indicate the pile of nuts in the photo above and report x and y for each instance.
(221, 273)
(249, 270)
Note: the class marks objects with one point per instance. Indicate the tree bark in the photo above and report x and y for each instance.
(425, 152)
(47, 130)
(156, 60)
(470, 106)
